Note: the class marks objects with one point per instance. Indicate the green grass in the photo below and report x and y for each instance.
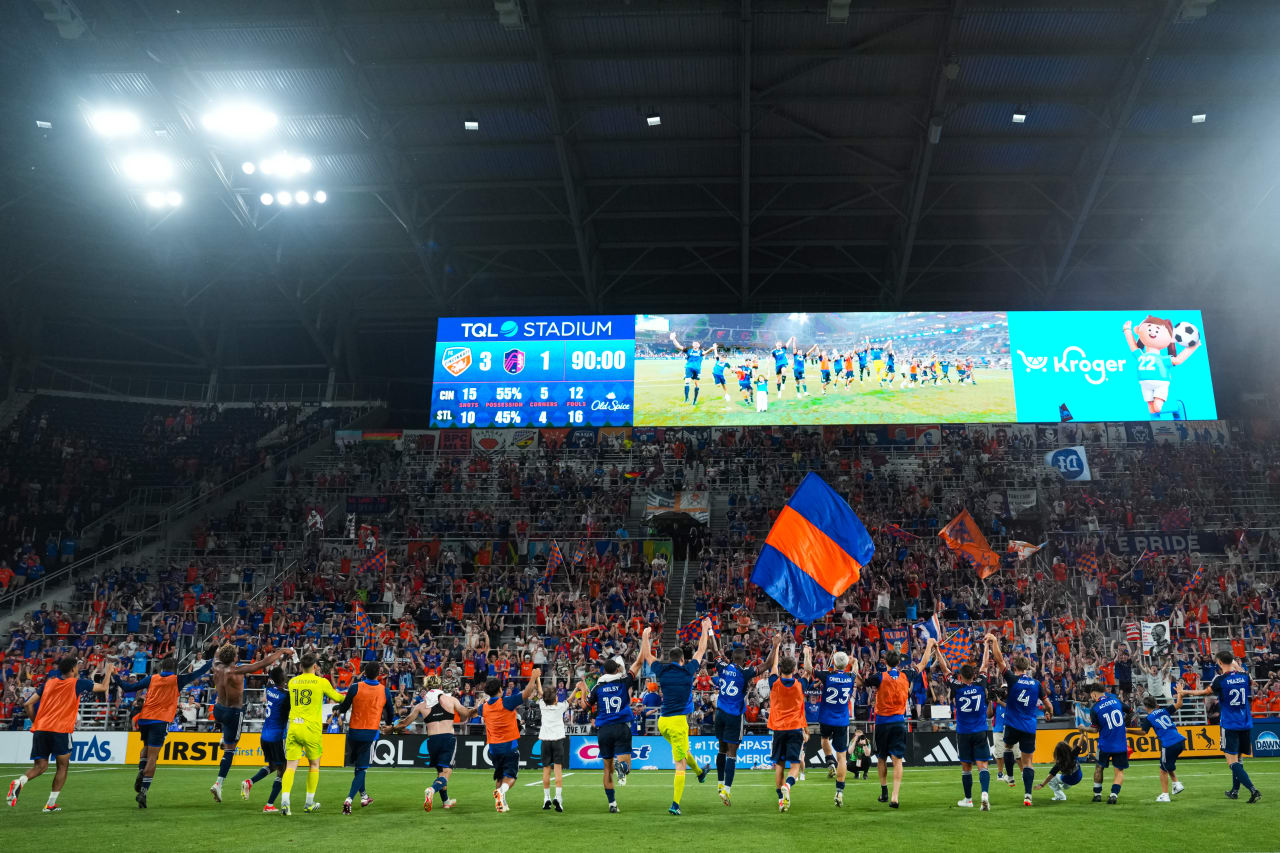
(100, 815)
(659, 399)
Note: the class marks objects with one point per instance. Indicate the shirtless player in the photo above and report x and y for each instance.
(437, 709)
(228, 679)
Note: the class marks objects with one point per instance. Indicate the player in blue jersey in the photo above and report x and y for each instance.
(1233, 688)
(693, 355)
(1004, 771)
(798, 359)
(717, 373)
(1171, 745)
(611, 697)
(1065, 772)
(837, 689)
(274, 723)
(890, 368)
(969, 690)
(1022, 699)
(733, 680)
(745, 371)
(1110, 718)
(675, 679)
(780, 353)
(944, 367)
(862, 353)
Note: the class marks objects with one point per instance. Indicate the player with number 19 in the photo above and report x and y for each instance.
(611, 698)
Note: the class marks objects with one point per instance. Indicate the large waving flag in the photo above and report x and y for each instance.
(375, 562)
(929, 629)
(964, 538)
(1024, 550)
(1193, 580)
(555, 559)
(814, 552)
(956, 648)
(363, 625)
(692, 632)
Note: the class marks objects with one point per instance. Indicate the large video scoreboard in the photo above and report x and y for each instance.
(827, 368)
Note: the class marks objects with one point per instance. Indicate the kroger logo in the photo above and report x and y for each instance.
(591, 752)
(1267, 743)
(1074, 360)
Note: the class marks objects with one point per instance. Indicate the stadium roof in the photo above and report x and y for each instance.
(801, 162)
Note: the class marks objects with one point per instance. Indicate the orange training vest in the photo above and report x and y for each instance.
(366, 708)
(59, 705)
(786, 706)
(162, 699)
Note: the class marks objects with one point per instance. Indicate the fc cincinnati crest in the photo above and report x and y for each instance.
(513, 360)
(456, 359)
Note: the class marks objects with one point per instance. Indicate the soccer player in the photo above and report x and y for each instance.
(158, 711)
(1065, 771)
(502, 734)
(307, 692)
(692, 365)
(892, 689)
(889, 368)
(1232, 686)
(272, 739)
(1021, 700)
(554, 745)
(786, 721)
(228, 682)
(371, 705)
(675, 678)
(797, 368)
(744, 383)
(1171, 745)
(944, 365)
(837, 688)
(611, 698)
(717, 373)
(780, 351)
(733, 680)
(969, 692)
(438, 710)
(53, 709)
(862, 353)
(1109, 717)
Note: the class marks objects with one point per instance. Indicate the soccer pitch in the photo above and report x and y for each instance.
(99, 814)
(659, 400)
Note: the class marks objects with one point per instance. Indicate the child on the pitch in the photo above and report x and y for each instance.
(1066, 770)
(1171, 745)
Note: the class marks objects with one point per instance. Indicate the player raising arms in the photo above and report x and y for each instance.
(276, 699)
(692, 365)
(837, 687)
(797, 368)
(780, 353)
(733, 680)
(611, 698)
(1021, 702)
(969, 687)
(1171, 745)
(717, 373)
(786, 720)
(1110, 718)
(53, 709)
(675, 679)
(438, 710)
(892, 689)
(158, 711)
(1232, 686)
(371, 705)
(502, 733)
(228, 681)
(307, 692)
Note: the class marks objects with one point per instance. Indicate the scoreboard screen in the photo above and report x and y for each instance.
(902, 367)
(534, 371)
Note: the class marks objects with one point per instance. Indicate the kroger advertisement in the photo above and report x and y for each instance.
(1145, 364)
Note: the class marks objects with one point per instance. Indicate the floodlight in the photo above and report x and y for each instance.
(267, 199)
(1199, 118)
(302, 197)
(470, 123)
(113, 123)
(653, 119)
(173, 198)
(242, 120)
(146, 167)
(285, 198)
(321, 197)
(155, 198)
(1019, 118)
(248, 168)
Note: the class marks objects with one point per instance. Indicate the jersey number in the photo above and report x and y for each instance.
(302, 695)
(1114, 719)
(1236, 698)
(612, 704)
(1023, 698)
(970, 704)
(729, 688)
(1163, 723)
(837, 696)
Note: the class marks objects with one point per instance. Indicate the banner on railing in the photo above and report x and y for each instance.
(1133, 544)
(694, 503)
(205, 748)
(86, 747)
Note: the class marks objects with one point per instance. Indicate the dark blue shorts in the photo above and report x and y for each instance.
(1073, 778)
(718, 377)
(440, 751)
(46, 745)
(826, 376)
(1236, 741)
(614, 740)
(973, 746)
(273, 752)
(728, 728)
(153, 733)
(1169, 756)
(798, 374)
(360, 748)
(838, 735)
(506, 760)
(891, 740)
(787, 746)
(744, 386)
(1025, 741)
(228, 720)
(780, 369)
(1118, 760)
(690, 373)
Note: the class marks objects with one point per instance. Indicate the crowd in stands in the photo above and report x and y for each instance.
(451, 573)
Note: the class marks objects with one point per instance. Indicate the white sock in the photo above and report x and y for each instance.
(284, 798)
(546, 795)
(53, 798)
(559, 794)
(21, 780)
(311, 798)
(221, 779)
(503, 788)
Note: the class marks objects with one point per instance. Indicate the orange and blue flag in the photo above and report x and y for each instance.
(814, 552)
(375, 563)
(692, 632)
(363, 625)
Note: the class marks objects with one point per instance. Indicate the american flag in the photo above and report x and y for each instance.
(1133, 632)
(1088, 563)
(692, 632)
(956, 648)
(580, 553)
(1193, 580)
(375, 563)
(554, 561)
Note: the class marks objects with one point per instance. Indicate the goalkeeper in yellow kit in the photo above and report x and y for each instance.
(306, 723)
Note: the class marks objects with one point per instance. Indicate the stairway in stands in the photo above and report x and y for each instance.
(681, 594)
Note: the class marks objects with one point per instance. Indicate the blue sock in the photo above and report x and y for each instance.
(1240, 777)
(1115, 790)
(142, 763)
(608, 792)
(779, 790)
(839, 786)
(275, 791)
(224, 766)
(984, 779)
(730, 768)
(1097, 787)
(357, 784)
(791, 780)
(262, 773)
(966, 779)
(720, 766)
(1008, 762)
(1028, 778)
(440, 784)
(146, 782)
(686, 392)
(695, 393)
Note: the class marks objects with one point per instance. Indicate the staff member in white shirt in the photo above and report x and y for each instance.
(554, 746)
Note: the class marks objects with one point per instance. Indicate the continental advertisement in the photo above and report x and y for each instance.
(1202, 742)
(195, 748)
